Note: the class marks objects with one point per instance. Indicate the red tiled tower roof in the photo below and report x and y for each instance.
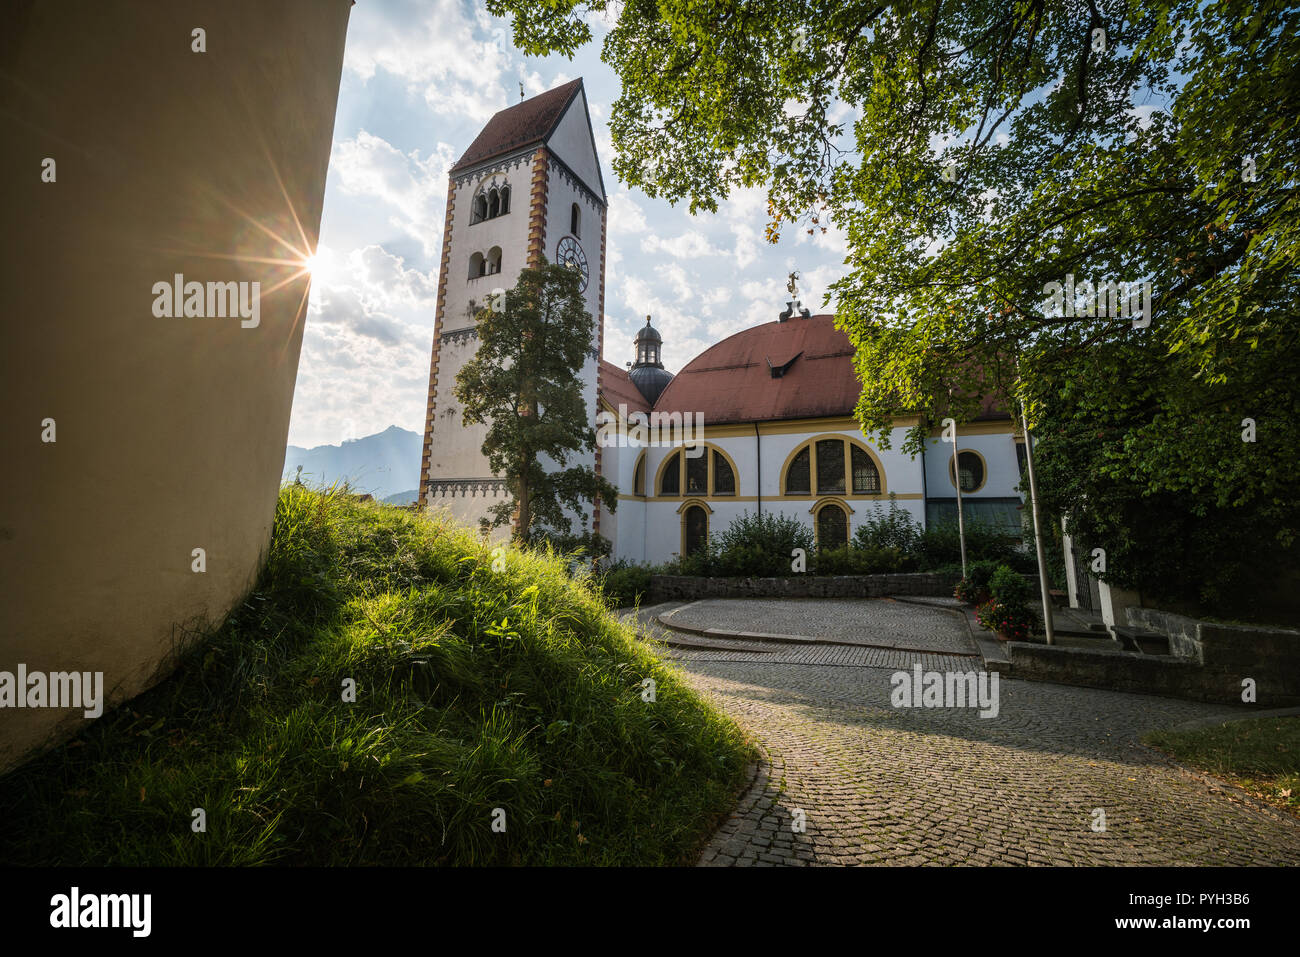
(523, 124)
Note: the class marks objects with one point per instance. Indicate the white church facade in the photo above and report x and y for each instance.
(774, 402)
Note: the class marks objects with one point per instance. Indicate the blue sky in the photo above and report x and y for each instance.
(420, 78)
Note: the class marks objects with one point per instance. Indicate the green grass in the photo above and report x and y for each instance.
(1260, 755)
(476, 689)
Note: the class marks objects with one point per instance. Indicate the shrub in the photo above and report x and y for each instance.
(974, 588)
(1009, 588)
(752, 545)
(625, 583)
(940, 544)
(890, 528)
(771, 534)
(1011, 624)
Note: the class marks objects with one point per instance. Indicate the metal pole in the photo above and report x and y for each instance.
(956, 480)
(1043, 586)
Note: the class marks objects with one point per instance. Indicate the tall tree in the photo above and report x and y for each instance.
(524, 383)
(976, 152)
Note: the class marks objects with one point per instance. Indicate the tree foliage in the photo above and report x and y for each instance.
(524, 382)
(973, 153)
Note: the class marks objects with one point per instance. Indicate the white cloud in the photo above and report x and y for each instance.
(387, 282)
(413, 187)
(691, 244)
(626, 218)
(454, 60)
(675, 277)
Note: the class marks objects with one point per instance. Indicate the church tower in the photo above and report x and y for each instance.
(528, 186)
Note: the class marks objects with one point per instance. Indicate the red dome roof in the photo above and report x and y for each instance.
(733, 381)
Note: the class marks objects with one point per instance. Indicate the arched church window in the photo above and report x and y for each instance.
(494, 260)
(866, 477)
(638, 476)
(476, 265)
(839, 463)
(480, 209)
(697, 475)
(724, 479)
(832, 526)
(696, 531)
(505, 200)
(494, 204)
(710, 473)
(797, 475)
(671, 482)
(830, 466)
(575, 221)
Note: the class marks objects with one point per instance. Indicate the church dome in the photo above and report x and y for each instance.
(777, 370)
(650, 380)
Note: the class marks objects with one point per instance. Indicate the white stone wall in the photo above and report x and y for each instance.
(456, 451)
(655, 535)
(1001, 467)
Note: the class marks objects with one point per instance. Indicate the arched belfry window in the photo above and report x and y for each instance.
(490, 202)
(834, 465)
(476, 266)
(575, 221)
(494, 260)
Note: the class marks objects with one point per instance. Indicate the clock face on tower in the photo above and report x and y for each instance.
(569, 253)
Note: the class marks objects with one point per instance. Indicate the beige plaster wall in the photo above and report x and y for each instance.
(170, 432)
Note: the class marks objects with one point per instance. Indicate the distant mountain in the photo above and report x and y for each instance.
(403, 498)
(383, 464)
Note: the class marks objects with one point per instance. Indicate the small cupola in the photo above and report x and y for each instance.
(648, 346)
(648, 373)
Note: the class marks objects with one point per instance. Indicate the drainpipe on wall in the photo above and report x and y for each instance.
(758, 451)
(925, 489)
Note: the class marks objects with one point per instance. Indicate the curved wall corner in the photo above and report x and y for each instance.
(169, 432)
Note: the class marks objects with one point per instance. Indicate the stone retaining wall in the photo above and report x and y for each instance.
(1269, 655)
(1209, 661)
(677, 587)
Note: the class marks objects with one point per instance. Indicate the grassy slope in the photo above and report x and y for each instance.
(1260, 755)
(476, 689)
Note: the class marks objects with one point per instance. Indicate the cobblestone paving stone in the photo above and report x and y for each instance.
(867, 621)
(880, 785)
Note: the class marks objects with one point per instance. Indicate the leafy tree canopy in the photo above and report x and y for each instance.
(975, 152)
(524, 382)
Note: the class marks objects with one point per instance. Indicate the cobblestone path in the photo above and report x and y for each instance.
(884, 785)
